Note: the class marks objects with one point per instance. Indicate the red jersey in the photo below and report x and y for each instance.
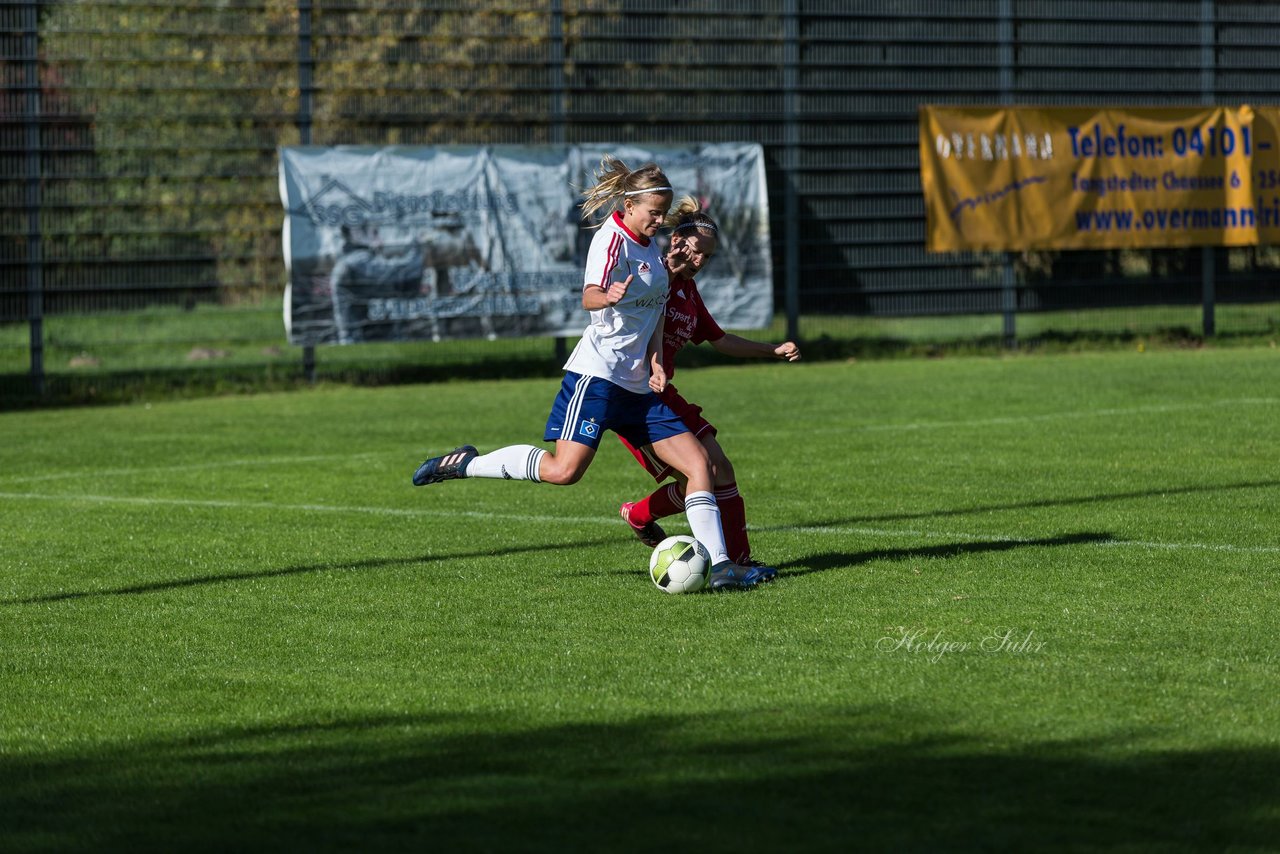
(688, 322)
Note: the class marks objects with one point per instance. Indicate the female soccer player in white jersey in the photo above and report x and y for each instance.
(612, 376)
(693, 243)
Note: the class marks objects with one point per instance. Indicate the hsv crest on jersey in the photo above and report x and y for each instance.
(589, 429)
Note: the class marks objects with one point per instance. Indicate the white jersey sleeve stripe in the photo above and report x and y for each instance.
(615, 250)
(610, 262)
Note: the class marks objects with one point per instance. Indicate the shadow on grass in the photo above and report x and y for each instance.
(845, 560)
(1048, 502)
(873, 778)
(175, 383)
(301, 569)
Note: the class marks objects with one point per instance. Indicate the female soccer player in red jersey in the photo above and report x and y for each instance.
(693, 243)
(614, 374)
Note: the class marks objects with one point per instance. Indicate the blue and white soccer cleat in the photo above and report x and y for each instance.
(767, 573)
(451, 465)
(731, 576)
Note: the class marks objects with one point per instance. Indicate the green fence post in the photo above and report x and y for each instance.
(31, 120)
(791, 206)
(1008, 274)
(306, 90)
(1208, 259)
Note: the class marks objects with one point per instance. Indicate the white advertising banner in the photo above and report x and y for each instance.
(448, 242)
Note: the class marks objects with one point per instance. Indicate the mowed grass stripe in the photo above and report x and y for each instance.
(89, 473)
(545, 519)
(1012, 420)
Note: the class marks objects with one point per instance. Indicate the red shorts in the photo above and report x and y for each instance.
(690, 414)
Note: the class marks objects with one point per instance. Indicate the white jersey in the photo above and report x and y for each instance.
(614, 346)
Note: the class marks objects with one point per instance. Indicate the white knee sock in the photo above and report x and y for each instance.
(703, 513)
(515, 462)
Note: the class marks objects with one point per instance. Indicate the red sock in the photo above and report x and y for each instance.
(733, 517)
(664, 501)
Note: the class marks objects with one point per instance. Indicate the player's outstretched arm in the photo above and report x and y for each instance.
(745, 348)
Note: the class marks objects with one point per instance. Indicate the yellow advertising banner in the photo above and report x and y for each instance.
(1011, 178)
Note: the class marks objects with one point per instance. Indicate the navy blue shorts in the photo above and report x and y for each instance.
(587, 406)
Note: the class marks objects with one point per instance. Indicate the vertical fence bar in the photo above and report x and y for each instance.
(35, 254)
(1208, 259)
(306, 90)
(1008, 274)
(791, 205)
(555, 66)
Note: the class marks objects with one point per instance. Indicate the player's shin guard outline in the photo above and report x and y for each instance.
(514, 462)
(703, 513)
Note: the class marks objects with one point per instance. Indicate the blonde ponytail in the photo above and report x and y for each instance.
(688, 213)
(615, 182)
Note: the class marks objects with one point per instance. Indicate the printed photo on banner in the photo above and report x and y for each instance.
(449, 242)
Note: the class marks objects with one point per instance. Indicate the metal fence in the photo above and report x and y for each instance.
(138, 141)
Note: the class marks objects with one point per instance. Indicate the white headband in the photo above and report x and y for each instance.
(708, 226)
(650, 190)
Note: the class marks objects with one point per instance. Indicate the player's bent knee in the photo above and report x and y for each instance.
(563, 475)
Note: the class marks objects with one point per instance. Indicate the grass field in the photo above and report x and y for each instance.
(1026, 604)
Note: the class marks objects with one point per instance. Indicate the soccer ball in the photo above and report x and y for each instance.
(679, 564)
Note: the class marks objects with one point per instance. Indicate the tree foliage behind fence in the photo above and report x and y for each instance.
(138, 138)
